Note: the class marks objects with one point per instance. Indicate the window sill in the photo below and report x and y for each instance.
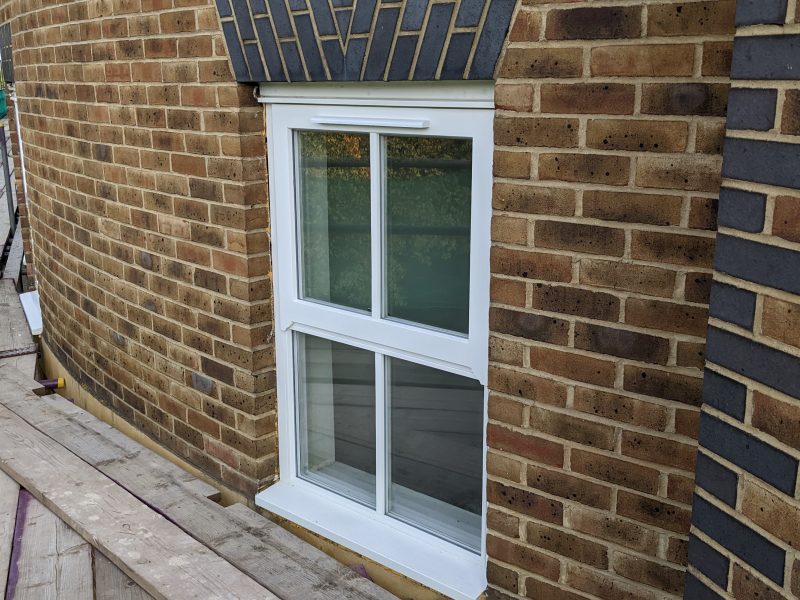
(448, 569)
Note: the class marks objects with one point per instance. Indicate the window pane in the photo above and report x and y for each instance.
(428, 201)
(334, 189)
(336, 401)
(436, 451)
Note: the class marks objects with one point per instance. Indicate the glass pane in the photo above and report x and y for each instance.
(334, 188)
(428, 201)
(336, 401)
(436, 451)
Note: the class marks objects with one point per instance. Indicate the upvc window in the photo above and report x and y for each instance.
(380, 222)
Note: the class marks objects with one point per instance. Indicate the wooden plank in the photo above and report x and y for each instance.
(51, 562)
(15, 336)
(162, 559)
(26, 364)
(9, 494)
(112, 584)
(13, 266)
(279, 560)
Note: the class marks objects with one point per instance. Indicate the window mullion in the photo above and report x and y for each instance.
(376, 221)
(381, 428)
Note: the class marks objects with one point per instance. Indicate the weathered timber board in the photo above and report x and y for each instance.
(112, 584)
(25, 363)
(160, 557)
(9, 495)
(15, 336)
(50, 562)
(13, 266)
(279, 560)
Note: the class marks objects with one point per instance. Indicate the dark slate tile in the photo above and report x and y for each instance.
(242, 12)
(332, 50)
(343, 20)
(362, 16)
(308, 43)
(382, 38)
(756, 12)
(742, 210)
(433, 41)
(291, 56)
(223, 8)
(697, 590)
(724, 394)
(255, 62)
(775, 267)
(280, 17)
(455, 61)
(469, 14)
(403, 56)
(751, 454)
(338, 3)
(354, 58)
(258, 7)
(235, 51)
(733, 305)
(414, 15)
(745, 543)
(766, 57)
(759, 161)
(716, 479)
(323, 17)
(751, 109)
(708, 561)
(495, 30)
(297, 5)
(270, 49)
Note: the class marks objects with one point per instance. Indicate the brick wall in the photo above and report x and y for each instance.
(607, 169)
(746, 520)
(146, 175)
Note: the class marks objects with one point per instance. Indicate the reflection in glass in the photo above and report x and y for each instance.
(428, 202)
(436, 451)
(336, 402)
(334, 190)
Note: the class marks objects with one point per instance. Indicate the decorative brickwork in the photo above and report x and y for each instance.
(747, 505)
(364, 40)
(146, 175)
(607, 169)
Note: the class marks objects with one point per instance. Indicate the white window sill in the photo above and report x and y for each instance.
(447, 568)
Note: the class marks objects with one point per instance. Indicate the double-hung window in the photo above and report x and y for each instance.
(380, 199)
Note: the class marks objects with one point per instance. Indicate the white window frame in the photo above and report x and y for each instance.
(447, 110)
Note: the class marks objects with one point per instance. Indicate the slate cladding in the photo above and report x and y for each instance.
(747, 504)
(364, 40)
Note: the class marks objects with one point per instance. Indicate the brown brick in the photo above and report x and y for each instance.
(528, 446)
(717, 59)
(579, 237)
(558, 483)
(515, 165)
(585, 168)
(654, 60)
(588, 98)
(537, 589)
(577, 367)
(507, 411)
(796, 567)
(711, 17)
(535, 63)
(653, 512)
(510, 230)
(654, 209)
(508, 291)
(709, 99)
(533, 199)
(680, 488)
(620, 408)
(786, 220)
(529, 325)
(629, 277)
(611, 528)
(777, 418)
(530, 387)
(790, 122)
(747, 585)
(525, 502)
(531, 265)
(637, 136)
(674, 248)
(615, 470)
(536, 131)
(606, 586)
(503, 467)
(594, 23)
(565, 544)
(571, 427)
(621, 342)
(703, 213)
(697, 287)
(664, 384)
(693, 173)
(502, 522)
(516, 97)
(710, 137)
(575, 301)
(525, 557)
(498, 575)
(648, 572)
(691, 354)
(659, 450)
(666, 316)
(525, 27)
